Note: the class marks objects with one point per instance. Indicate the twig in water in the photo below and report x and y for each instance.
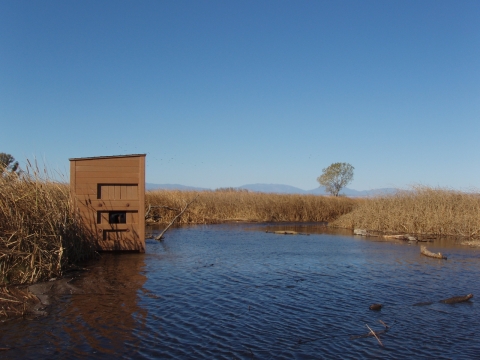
(381, 322)
(373, 333)
(159, 237)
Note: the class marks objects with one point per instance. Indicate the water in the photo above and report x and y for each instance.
(236, 292)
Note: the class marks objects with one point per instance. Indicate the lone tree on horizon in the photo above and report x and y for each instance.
(7, 162)
(335, 177)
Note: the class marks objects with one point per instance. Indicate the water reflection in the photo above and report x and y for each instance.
(99, 321)
(108, 311)
(234, 291)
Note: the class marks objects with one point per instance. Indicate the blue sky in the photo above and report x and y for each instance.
(227, 93)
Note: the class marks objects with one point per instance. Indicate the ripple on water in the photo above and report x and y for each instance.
(226, 292)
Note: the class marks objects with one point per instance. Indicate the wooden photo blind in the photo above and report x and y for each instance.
(109, 194)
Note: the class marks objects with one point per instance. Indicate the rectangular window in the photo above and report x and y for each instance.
(128, 217)
(117, 217)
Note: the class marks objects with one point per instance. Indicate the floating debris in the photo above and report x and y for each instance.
(457, 299)
(405, 237)
(426, 252)
(285, 232)
(373, 333)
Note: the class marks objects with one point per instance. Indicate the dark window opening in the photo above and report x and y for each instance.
(117, 217)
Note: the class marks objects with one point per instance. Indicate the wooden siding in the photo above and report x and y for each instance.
(117, 192)
(111, 184)
(108, 180)
(111, 205)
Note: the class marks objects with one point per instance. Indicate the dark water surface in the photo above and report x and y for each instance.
(234, 291)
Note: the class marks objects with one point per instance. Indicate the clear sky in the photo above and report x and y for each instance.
(227, 93)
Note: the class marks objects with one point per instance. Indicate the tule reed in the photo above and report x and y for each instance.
(239, 205)
(40, 237)
(422, 210)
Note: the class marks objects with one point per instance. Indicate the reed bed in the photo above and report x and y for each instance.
(15, 302)
(422, 210)
(40, 237)
(238, 205)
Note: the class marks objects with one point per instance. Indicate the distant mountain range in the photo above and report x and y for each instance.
(150, 186)
(277, 188)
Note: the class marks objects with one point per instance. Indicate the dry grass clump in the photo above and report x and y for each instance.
(15, 302)
(232, 205)
(472, 243)
(422, 210)
(39, 235)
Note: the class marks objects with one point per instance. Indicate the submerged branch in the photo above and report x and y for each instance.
(159, 237)
(372, 333)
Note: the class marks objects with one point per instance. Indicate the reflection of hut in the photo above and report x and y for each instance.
(109, 193)
(108, 322)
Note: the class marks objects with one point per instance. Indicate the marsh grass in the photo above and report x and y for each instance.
(422, 210)
(239, 205)
(40, 237)
(15, 302)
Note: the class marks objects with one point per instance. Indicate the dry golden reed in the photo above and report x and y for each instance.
(237, 205)
(15, 302)
(39, 235)
(422, 210)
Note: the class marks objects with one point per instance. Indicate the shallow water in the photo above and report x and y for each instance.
(234, 291)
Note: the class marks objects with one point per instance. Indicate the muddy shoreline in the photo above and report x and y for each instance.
(30, 301)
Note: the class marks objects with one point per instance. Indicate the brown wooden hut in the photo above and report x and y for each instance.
(109, 194)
